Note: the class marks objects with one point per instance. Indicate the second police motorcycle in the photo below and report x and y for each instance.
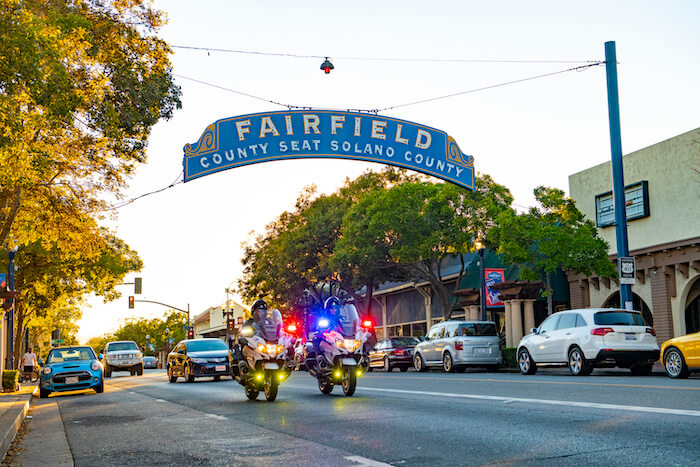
(261, 354)
(336, 353)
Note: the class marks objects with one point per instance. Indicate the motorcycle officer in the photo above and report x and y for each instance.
(257, 313)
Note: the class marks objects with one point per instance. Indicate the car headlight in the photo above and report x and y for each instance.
(198, 360)
(95, 365)
(138, 355)
(47, 370)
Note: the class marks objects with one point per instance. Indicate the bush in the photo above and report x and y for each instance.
(509, 357)
(10, 379)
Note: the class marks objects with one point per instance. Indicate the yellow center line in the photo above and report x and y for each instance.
(492, 380)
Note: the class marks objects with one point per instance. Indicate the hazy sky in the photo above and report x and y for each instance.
(533, 133)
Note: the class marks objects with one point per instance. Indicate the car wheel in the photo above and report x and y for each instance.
(251, 393)
(44, 393)
(387, 365)
(139, 370)
(108, 371)
(369, 369)
(171, 377)
(577, 362)
(674, 363)
(447, 363)
(189, 377)
(100, 387)
(418, 363)
(325, 386)
(525, 362)
(641, 370)
(403, 369)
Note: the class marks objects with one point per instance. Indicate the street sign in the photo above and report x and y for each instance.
(627, 269)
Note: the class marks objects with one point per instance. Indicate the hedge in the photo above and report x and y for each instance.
(10, 379)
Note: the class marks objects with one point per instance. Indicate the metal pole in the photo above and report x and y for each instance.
(482, 285)
(11, 311)
(617, 172)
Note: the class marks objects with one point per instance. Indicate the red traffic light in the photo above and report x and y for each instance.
(190, 333)
(327, 66)
(229, 324)
(131, 301)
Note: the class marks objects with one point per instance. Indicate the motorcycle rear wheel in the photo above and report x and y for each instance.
(251, 392)
(349, 383)
(271, 386)
(325, 386)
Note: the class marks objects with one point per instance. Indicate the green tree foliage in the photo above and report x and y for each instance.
(136, 329)
(81, 85)
(295, 254)
(418, 225)
(53, 282)
(555, 235)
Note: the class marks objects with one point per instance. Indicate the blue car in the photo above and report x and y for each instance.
(70, 369)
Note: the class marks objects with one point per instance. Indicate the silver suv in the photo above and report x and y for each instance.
(123, 356)
(455, 345)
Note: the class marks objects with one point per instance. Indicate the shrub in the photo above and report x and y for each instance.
(10, 379)
(509, 357)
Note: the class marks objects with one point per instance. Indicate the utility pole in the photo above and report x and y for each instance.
(617, 172)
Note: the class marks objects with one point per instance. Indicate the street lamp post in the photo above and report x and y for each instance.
(482, 281)
(228, 314)
(167, 341)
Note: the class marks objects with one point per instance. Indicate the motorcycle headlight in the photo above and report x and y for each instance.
(340, 343)
(47, 370)
(95, 365)
(351, 344)
(262, 348)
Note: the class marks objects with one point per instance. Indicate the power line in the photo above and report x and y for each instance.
(374, 59)
(175, 182)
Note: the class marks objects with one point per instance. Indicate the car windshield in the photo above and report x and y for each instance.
(69, 355)
(628, 318)
(149, 359)
(206, 345)
(399, 341)
(118, 346)
(477, 329)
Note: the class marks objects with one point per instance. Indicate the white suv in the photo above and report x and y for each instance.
(588, 338)
(123, 356)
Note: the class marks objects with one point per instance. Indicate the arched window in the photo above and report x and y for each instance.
(637, 303)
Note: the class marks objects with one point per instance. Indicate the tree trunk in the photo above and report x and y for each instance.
(368, 298)
(549, 294)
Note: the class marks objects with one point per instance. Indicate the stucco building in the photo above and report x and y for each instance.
(662, 185)
(211, 322)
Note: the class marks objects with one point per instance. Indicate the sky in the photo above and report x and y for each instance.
(536, 132)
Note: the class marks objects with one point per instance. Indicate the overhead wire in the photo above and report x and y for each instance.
(175, 182)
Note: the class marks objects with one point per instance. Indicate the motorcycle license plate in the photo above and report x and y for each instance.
(348, 362)
(272, 366)
(220, 368)
(72, 380)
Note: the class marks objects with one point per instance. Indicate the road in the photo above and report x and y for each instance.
(610, 418)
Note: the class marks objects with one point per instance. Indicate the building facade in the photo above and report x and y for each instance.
(662, 197)
(212, 323)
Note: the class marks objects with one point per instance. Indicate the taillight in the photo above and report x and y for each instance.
(367, 323)
(601, 331)
(651, 331)
(459, 345)
(398, 352)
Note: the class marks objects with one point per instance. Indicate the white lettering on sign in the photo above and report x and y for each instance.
(242, 128)
(422, 134)
(266, 126)
(337, 122)
(311, 122)
(378, 129)
(398, 138)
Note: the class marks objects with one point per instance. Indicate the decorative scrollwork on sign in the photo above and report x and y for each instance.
(207, 142)
(454, 154)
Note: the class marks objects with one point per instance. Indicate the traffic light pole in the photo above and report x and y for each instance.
(173, 307)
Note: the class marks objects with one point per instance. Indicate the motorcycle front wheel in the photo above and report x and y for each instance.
(349, 382)
(271, 385)
(251, 392)
(325, 386)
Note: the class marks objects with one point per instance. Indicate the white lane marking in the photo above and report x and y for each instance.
(160, 400)
(213, 415)
(364, 461)
(630, 408)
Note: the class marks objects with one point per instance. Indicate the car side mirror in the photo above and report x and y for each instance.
(40, 362)
(99, 357)
(181, 351)
(534, 331)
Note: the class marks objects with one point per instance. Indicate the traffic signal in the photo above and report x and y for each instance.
(137, 285)
(229, 324)
(131, 301)
(190, 333)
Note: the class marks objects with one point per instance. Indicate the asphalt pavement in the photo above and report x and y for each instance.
(475, 418)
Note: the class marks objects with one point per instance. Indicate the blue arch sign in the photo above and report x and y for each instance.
(271, 136)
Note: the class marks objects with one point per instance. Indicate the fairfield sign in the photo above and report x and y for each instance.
(272, 136)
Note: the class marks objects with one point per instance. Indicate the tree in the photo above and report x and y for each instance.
(136, 329)
(81, 85)
(554, 236)
(418, 225)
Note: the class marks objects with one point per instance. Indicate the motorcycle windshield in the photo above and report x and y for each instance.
(348, 320)
(269, 325)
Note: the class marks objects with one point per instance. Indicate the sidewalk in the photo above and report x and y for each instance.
(13, 409)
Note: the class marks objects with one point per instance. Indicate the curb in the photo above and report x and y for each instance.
(15, 415)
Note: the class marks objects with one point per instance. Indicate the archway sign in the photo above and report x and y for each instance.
(271, 136)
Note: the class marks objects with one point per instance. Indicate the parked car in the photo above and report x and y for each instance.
(681, 355)
(123, 356)
(394, 352)
(194, 358)
(455, 345)
(69, 369)
(590, 338)
(150, 362)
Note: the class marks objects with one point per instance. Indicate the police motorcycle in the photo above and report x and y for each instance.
(262, 353)
(335, 355)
